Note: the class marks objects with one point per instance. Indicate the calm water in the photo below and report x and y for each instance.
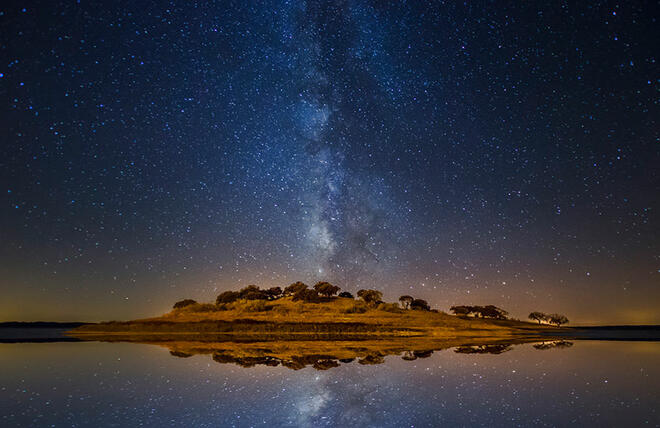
(591, 383)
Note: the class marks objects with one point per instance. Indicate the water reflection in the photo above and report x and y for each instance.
(296, 354)
(484, 349)
(553, 344)
(421, 383)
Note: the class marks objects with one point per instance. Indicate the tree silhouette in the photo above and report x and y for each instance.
(538, 316)
(255, 295)
(326, 289)
(252, 292)
(557, 319)
(483, 349)
(325, 364)
(307, 295)
(370, 296)
(460, 310)
(491, 311)
(183, 303)
(408, 356)
(376, 358)
(423, 354)
(274, 293)
(227, 297)
(294, 288)
(558, 344)
(420, 305)
(346, 294)
(406, 301)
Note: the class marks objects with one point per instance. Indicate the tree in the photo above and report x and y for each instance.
(249, 289)
(420, 305)
(252, 292)
(183, 303)
(227, 297)
(491, 311)
(475, 311)
(460, 310)
(346, 294)
(307, 295)
(557, 319)
(538, 316)
(370, 296)
(255, 295)
(406, 301)
(326, 289)
(294, 288)
(274, 293)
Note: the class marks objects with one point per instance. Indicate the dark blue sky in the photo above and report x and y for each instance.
(480, 153)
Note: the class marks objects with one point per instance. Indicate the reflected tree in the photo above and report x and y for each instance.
(372, 359)
(483, 349)
(557, 344)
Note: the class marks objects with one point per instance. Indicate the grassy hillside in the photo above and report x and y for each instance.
(329, 316)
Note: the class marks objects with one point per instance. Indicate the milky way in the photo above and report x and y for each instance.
(344, 221)
(503, 154)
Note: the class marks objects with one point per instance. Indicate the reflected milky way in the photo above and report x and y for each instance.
(591, 383)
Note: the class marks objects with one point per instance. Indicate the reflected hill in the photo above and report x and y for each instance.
(321, 353)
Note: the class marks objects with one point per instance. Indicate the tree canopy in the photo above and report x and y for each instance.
(294, 288)
(557, 319)
(406, 301)
(183, 303)
(307, 295)
(461, 310)
(227, 297)
(370, 296)
(274, 292)
(420, 305)
(326, 289)
(538, 316)
(488, 311)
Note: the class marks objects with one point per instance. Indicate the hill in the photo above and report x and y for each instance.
(329, 316)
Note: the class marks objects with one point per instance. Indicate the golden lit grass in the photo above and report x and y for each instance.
(331, 316)
(286, 310)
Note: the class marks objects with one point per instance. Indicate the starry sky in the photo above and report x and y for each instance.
(465, 153)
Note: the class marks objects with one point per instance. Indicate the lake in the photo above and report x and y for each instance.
(551, 383)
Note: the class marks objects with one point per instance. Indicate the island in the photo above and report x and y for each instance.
(322, 312)
(322, 327)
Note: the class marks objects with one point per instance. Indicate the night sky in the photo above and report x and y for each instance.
(477, 153)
